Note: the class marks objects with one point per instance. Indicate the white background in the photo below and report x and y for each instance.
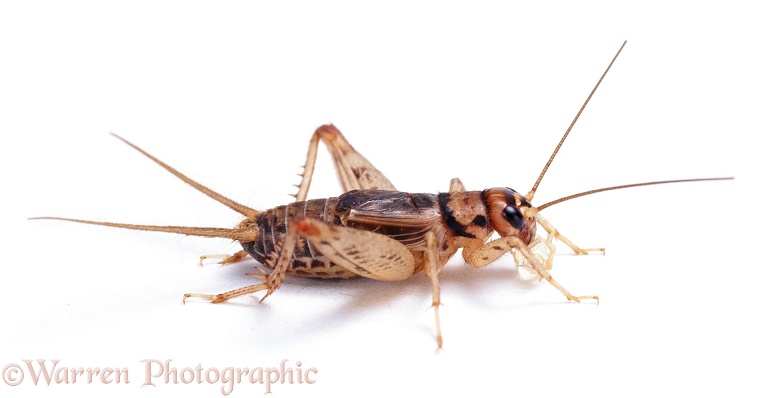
(230, 92)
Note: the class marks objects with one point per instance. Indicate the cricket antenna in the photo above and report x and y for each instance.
(531, 193)
(593, 191)
(244, 234)
(246, 211)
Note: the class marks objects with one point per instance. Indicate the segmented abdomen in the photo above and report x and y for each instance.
(273, 225)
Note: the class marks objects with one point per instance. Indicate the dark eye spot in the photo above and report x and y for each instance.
(514, 216)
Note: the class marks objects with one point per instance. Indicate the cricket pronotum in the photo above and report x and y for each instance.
(375, 231)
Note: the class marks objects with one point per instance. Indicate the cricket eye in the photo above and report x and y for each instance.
(513, 216)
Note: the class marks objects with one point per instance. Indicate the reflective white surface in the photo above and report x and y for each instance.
(230, 95)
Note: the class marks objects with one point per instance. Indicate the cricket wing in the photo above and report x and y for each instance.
(389, 209)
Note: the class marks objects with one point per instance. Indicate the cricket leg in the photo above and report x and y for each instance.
(226, 258)
(432, 270)
(542, 248)
(272, 280)
(456, 185)
(479, 255)
(554, 233)
(364, 253)
(373, 255)
(353, 170)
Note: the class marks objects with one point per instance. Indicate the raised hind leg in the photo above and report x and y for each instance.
(353, 170)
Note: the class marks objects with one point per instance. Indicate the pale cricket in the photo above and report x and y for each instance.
(375, 231)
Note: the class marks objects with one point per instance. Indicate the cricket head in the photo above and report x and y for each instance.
(511, 214)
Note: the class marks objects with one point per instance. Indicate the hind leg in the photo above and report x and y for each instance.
(226, 258)
(353, 170)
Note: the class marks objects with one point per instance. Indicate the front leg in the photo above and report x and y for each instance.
(481, 254)
(554, 233)
(545, 249)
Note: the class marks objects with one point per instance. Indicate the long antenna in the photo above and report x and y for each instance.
(246, 211)
(531, 193)
(641, 184)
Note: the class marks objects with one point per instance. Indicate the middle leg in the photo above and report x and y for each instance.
(432, 270)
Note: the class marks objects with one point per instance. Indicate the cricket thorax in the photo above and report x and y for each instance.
(465, 214)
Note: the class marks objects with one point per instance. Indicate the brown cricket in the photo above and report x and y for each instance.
(374, 231)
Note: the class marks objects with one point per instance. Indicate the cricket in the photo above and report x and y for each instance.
(374, 231)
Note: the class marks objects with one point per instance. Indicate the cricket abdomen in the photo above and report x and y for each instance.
(402, 216)
(273, 225)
